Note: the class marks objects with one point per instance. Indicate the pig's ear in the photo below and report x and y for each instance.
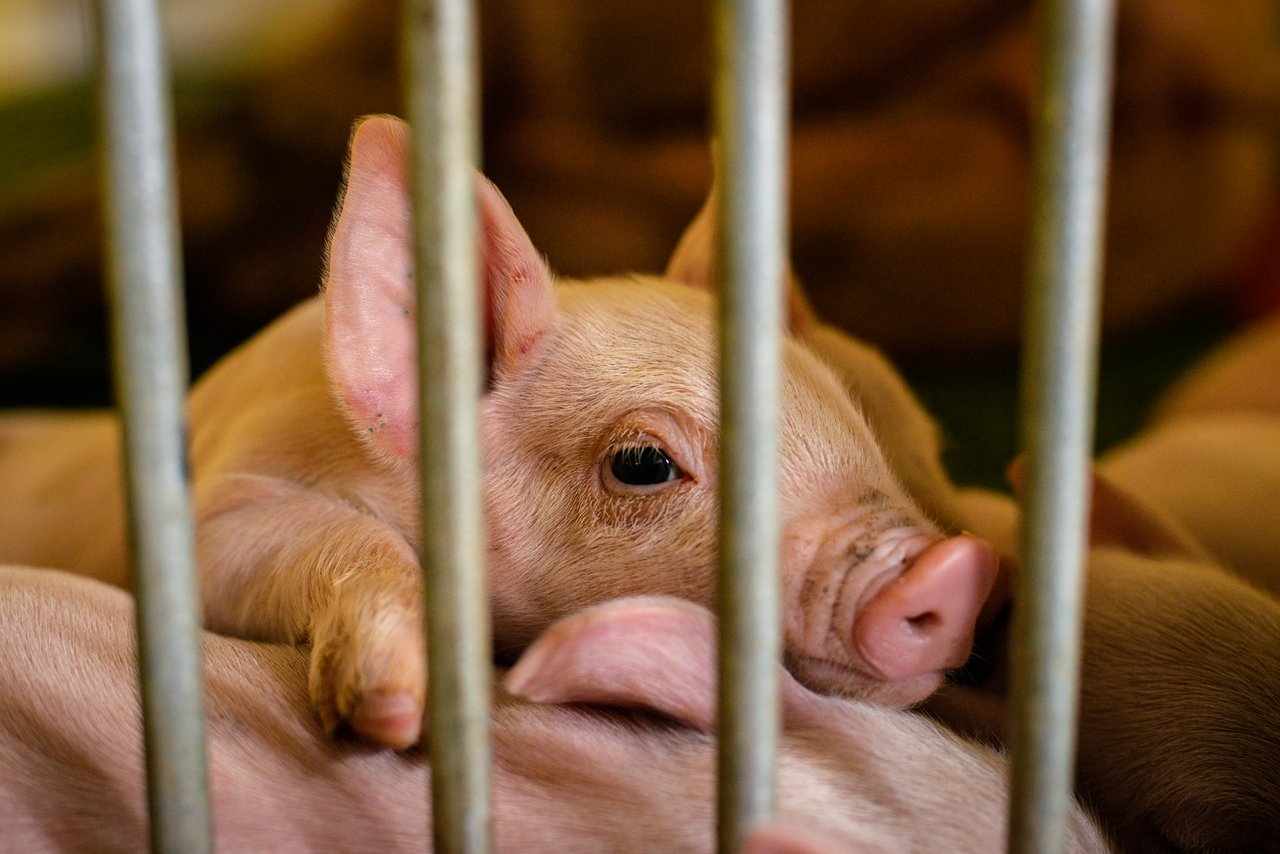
(370, 304)
(651, 652)
(696, 259)
(654, 653)
(520, 299)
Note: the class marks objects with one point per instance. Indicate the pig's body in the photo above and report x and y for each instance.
(1211, 458)
(565, 778)
(1219, 476)
(599, 428)
(1179, 739)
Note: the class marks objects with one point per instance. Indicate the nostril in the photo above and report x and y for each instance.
(923, 624)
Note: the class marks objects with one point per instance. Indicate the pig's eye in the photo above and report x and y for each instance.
(643, 465)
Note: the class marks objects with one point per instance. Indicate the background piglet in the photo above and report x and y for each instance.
(1179, 740)
(566, 778)
(599, 427)
(1211, 457)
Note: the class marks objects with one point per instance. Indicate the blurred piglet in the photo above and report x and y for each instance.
(1179, 736)
(1211, 457)
(599, 427)
(586, 777)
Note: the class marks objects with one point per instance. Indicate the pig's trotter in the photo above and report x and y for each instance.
(368, 662)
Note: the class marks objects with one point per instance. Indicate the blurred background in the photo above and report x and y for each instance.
(910, 161)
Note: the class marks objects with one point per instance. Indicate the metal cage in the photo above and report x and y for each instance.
(751, 106)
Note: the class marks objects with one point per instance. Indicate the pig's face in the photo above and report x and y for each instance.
(600, 430)
(600, 455)
(601, 461)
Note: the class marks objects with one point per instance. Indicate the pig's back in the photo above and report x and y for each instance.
(1219, 476)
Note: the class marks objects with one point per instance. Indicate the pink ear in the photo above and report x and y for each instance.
(656, 653)
(648, 652)
(521, 303)
(696, 259)
(370, 343)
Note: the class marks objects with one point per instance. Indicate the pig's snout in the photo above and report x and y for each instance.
(923, 621)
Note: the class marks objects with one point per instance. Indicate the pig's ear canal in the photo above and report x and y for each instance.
(695, 261)
(370, 338)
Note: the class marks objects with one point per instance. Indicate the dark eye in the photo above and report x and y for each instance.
(644, 465)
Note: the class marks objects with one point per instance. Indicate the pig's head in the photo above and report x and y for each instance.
(600, 430)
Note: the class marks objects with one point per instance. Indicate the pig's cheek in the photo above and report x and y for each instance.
(803, 590)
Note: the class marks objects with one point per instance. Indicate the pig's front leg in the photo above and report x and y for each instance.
(282, 563)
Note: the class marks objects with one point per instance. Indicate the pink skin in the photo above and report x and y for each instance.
(565, 778)
(304, 458)
(1179, 742)
(924, 617)
(658, 654)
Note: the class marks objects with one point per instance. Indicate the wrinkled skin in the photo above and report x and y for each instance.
(585, 777)
(304, 459)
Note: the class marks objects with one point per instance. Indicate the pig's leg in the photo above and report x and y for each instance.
(275, 557)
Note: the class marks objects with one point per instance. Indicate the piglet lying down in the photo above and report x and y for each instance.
(599, 429)
(566, 778)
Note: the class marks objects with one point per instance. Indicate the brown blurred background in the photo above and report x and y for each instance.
(910, 154)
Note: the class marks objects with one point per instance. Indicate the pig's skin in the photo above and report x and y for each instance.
(1180, 707)
(565, 778)
(303, 453)
(1179, 739)
(1211, 457)
(1179, 736)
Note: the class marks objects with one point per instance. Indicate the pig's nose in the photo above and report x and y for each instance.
(923, 621)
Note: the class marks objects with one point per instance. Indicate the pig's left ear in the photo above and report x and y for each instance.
(370, 304)
(696, 259)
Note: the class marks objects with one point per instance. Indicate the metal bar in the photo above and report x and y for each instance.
(144, 274)
(1059, 370)
(751, 121)
(440, 74)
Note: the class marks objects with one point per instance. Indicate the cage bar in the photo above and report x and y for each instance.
(1059, 372)
(439, 76)
(751, 40)
(151, 375)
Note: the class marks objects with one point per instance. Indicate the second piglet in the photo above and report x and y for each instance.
(600, 428)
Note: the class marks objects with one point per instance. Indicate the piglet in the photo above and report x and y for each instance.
(1179, 728)
(1179, 739)
(585, 777)
(1211, 456)
(599, 428)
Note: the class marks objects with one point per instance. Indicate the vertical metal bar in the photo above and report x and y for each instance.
(144, 275)
(440, 75)
(751, 120)
(1059, 368)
